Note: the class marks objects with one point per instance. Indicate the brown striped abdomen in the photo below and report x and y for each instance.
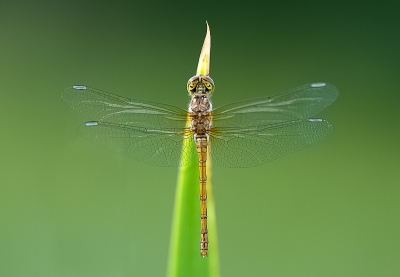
(201, 145)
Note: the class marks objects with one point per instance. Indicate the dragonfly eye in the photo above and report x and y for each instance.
(200, 85)
(192, 84)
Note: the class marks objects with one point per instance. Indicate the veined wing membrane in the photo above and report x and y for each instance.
(296, 104)
(251, 146)
(243, 134)
(160, 147)
(103, 106)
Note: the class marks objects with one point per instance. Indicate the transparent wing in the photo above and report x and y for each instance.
(243, 134)
(251, 146)
(162, 147)
(299, 103)
(103, 106)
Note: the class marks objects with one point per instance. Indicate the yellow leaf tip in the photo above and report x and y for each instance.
(203, 67)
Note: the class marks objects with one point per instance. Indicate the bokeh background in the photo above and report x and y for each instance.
(71, 208)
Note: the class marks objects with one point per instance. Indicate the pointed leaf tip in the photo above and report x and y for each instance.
(203, 67)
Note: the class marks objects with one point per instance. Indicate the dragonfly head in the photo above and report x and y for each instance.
(200, 85)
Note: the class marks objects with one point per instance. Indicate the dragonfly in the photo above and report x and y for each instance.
(242, 134)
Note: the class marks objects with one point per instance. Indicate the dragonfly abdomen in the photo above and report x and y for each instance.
(201, 145)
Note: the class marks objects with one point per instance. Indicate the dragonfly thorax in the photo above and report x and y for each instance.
(200, 104)
(200, 123)
(199, 109)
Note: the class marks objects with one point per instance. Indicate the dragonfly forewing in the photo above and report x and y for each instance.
(299, 103)
(103, 106)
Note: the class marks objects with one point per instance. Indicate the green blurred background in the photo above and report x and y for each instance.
(71, 208)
